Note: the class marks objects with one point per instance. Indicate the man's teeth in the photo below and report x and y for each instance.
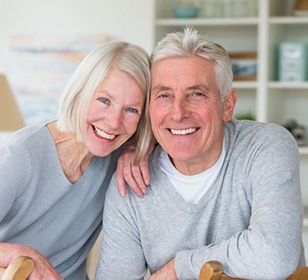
(103, 134)
(183, 131)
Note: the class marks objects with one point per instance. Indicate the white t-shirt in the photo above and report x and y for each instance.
(191, 188)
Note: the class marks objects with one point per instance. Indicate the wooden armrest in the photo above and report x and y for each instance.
(299, 274)
(19, 269)
(213, 270)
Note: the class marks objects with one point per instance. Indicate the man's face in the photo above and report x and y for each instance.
(186, 111)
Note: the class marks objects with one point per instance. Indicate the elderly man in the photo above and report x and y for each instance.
(220, 189)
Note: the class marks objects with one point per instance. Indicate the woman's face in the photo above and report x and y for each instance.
(114, 113)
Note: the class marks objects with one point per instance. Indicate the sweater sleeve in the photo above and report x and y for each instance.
(271, 246)
(121, 252)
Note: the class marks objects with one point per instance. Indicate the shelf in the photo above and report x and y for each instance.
(287, 85)
(288, 20)
(245, 85)
(234, 21)
(271, 85)
(208, 21)
(303, 151)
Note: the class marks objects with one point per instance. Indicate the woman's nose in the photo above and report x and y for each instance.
(114, 119)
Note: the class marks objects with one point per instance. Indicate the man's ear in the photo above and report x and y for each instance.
(229, 105)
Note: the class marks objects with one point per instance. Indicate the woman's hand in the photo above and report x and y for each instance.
(137, 177)
(43, 270)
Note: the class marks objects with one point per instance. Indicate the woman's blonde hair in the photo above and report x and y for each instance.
(76, 97)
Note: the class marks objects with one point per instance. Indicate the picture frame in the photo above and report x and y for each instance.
(244, 66)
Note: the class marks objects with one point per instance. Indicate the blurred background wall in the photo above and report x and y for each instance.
(125, 20)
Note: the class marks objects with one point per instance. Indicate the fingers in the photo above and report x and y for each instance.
(139, 187)
(120, 178)
(144, 170)
(136, 177)
(129, 174)
(133, 178)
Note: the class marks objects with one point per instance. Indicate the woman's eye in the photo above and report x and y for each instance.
(104, 100)
(132, 110)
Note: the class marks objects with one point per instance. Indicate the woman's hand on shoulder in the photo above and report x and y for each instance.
(136, 176)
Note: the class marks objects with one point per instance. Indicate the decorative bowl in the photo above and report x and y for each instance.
(185, 11)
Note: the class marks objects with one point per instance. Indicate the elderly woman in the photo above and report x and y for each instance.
(53, 177)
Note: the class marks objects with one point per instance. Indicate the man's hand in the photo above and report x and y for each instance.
(43, 270)
(167, 272)
(137, 177)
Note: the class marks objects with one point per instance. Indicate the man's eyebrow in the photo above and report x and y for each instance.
(160, 88)
(200, 86)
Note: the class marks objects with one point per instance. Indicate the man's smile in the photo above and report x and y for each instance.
(183, 131)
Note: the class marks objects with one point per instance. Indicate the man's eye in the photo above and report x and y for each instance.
(198, 94)
(163, 95)
(132, 110)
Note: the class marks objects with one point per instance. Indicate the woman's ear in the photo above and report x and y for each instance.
(229, 104)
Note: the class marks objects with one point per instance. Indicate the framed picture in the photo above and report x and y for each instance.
(244, 66)
(39, 67)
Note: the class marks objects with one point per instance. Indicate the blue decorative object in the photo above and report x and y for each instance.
(292, 62)
(185, 11)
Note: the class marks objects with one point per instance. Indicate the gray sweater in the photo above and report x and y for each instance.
(40, 208)
(250, 219)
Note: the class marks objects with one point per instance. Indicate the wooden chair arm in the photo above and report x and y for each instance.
(213, 270)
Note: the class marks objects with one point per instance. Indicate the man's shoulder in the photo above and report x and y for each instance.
(257, 130)
(252, 136)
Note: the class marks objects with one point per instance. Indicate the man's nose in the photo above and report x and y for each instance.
(180, 110)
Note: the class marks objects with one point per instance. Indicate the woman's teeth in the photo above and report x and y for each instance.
(102, 134)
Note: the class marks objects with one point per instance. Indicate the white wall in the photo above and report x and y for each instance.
(130, 20)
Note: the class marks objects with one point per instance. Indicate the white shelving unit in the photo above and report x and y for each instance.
(268, 99)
